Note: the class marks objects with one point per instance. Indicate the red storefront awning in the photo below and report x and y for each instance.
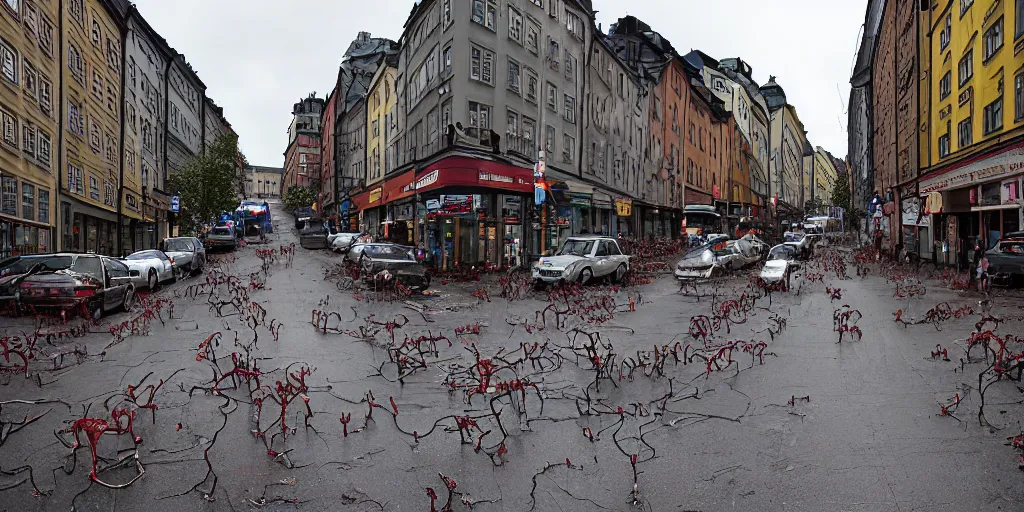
(400, 187)
(472, 172)
(369, 199)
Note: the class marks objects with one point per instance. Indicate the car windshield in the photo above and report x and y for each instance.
(143, 255)
(1012, 247)
(389, 252)
(794, 237)
(576, 248)
(178, 245)
(81, 264)
(782, 252)
(314, 228)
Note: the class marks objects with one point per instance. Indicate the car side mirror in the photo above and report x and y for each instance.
(134, 273)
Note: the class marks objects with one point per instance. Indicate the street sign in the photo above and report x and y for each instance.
(175, 204)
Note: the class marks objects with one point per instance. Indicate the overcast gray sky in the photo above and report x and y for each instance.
(258, 57)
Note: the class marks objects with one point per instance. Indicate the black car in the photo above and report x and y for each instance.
(88, 283)
(1006, 261)
(382, 265)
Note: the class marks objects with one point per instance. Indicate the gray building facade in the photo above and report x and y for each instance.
(146, 58)
(184, 123)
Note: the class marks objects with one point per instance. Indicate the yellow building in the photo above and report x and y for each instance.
(825, 176)
(29, 50)
(381, 122)
(91, 99)
(972, 112)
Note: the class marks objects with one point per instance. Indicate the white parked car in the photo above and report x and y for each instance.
(716, 258)
(341, 242)
(582, 259)
(800, 241)
(759, 245)
(187, 253)
(154, 268)
(782, 262)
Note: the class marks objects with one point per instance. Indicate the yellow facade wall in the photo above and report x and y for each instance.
(28, 112)
(380, 111)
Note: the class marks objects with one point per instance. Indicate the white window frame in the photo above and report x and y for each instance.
(485, 14)
(965, 68)
(945, 85)
(531, 77)
(515, 80)
(549, 139)
(44, 148)
(574, 24)
(568, 148)
(996, 37)
(569, 103)
(10, 60)
(945, 33)
(516, 25)
(28, 139)
(551, 97)
(964, 133)
(989, 120)
(479, 117)
(535, 31)
(9, 123)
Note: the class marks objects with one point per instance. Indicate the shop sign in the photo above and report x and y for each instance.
(374, 195)
(578, 199)
(624, 207)
(495, 178)
(427, 179)
(175, 204)
(1008, 162)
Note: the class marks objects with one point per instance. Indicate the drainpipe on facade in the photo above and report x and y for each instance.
(61, 220)
(120, 165)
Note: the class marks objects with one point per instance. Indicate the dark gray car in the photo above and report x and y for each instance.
(68, 281)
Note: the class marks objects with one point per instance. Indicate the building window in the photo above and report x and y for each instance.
(44, 206)
(446, 57)
(94, 188)
(76, 10)
(568, 148)
(10, 125)
(1019, 24)
(481, 65)
(75, 179)
(570, 109)
(95, 140)
(549, 140)
(97, 84)
(28, 139)
(946, 31)
(113, 55)
(97, 34)
(993, 39)
(43, 148)
(1018, 98)
(108, 193)
(965, 70)
(28, 201)
(574, 24)
(944, 86)
(964, 5)
(529, 133)
(75, 63)
(31, 79)
(514, 77)
(46, 37)
(75, 124)
(552, 97)
(532, 38)
(511, 123)
(994, 116)
(531, 85)
(485, 12)
(446, 13)
(964, 136)
(9, 196)
(515, 25)
(553, 9)
(10, 61)
(570, 67)
(479, 119)
(554, 53)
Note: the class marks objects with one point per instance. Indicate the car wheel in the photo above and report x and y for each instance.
(151, 280)
(174, 275)
(619, 274)
(129, 300)
(97, 311)
(586, 275)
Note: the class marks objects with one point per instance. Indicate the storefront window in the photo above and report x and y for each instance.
(92, 234)
(990, 194)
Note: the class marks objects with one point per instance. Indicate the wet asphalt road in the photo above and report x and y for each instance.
(869, 438)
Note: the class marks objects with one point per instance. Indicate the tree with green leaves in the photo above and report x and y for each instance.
(209, 184)
(841, 191)
(298, 197)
